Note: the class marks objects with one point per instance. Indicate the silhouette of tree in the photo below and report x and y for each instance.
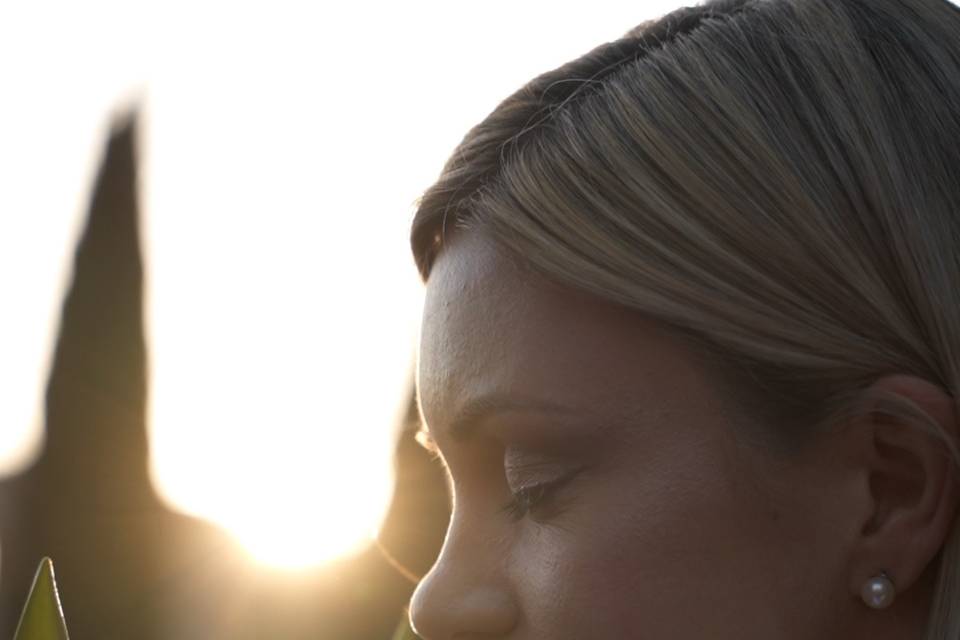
(127, 566)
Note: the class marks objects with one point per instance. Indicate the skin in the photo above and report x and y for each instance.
(663, 521)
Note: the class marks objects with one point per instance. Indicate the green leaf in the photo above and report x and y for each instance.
(42, 617)
(404, 632)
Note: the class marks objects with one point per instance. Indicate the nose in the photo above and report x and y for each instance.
(442, 610)
(465, 596)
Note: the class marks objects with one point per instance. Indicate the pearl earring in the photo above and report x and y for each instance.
(878, 592)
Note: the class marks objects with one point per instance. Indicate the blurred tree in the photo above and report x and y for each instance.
(128, 567)
(123, 558)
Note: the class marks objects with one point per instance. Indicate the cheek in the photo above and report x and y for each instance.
(665, 551)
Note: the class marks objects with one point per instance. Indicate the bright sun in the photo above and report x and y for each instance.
(284, 437)
(300, 471)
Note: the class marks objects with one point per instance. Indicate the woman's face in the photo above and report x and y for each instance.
(600, 486)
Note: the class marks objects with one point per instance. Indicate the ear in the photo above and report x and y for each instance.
(911, 479)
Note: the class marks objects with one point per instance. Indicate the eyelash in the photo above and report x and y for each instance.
(522, 503)
(527, 500)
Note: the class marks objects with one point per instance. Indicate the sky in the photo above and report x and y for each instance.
(284, 145)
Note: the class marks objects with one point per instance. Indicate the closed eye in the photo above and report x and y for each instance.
(535, 500)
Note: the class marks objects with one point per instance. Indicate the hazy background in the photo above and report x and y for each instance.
(208, 332)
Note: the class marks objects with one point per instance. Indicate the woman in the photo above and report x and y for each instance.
(691, 340)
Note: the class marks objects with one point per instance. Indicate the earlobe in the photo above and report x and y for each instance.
(908, 462)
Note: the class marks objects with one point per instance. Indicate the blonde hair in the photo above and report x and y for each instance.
(776, 180)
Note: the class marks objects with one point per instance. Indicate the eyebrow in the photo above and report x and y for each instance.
(472, 414)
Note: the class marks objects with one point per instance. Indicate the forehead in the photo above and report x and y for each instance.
(492, 327)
